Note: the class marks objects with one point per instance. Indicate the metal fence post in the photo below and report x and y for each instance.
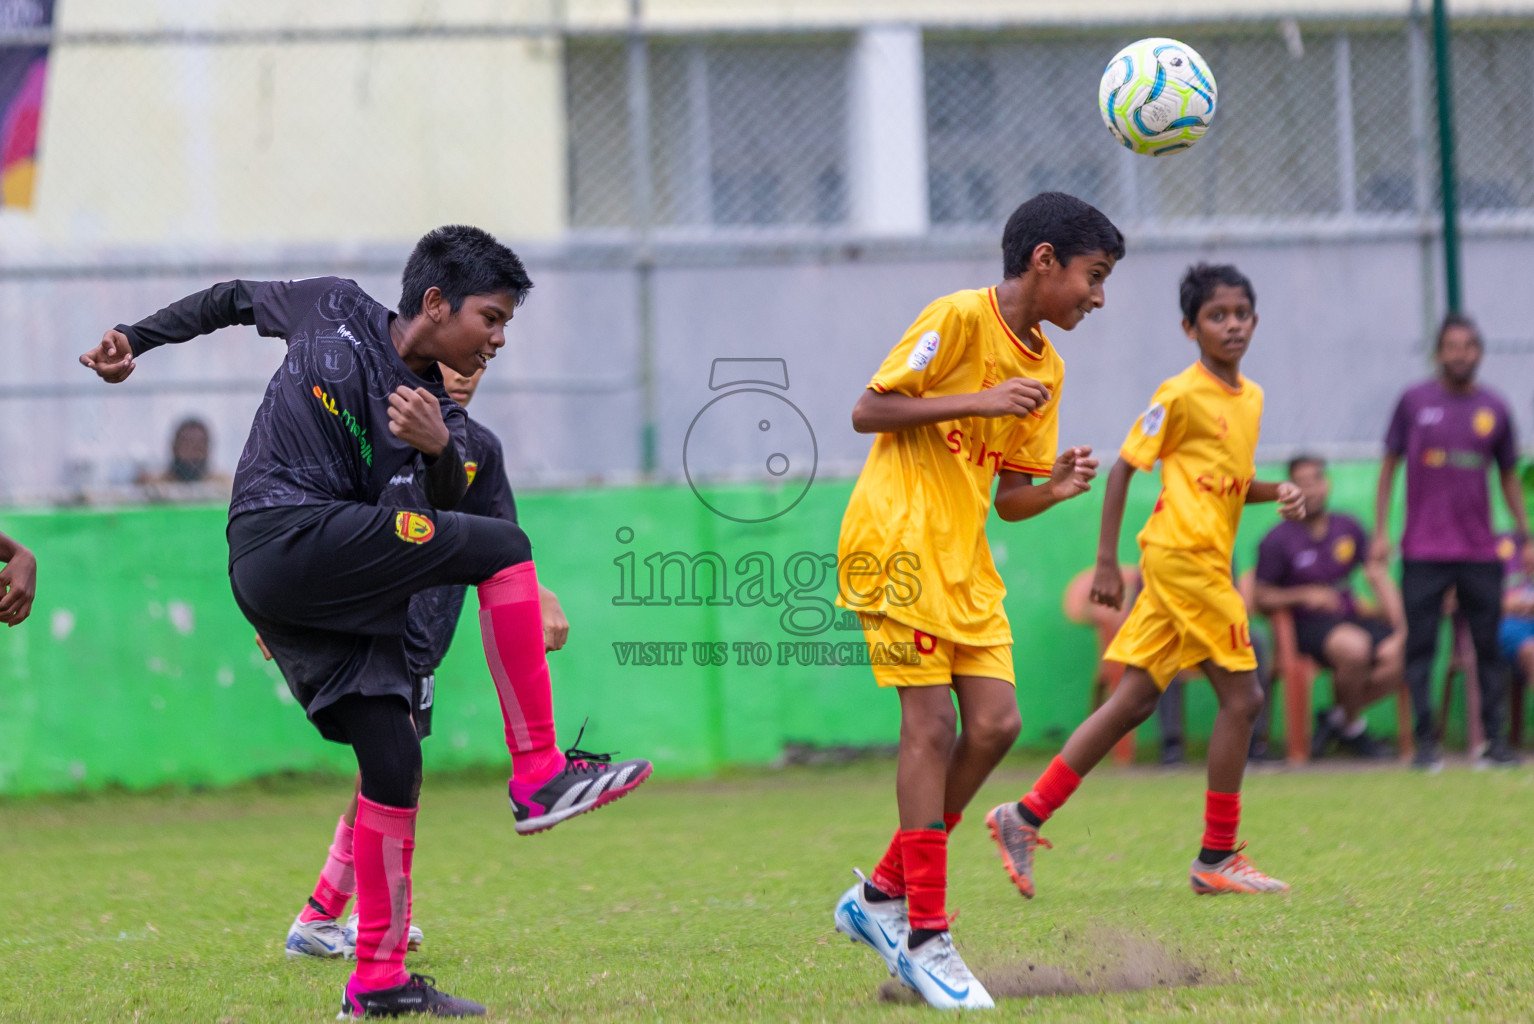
(1450, 194)
(638, 54)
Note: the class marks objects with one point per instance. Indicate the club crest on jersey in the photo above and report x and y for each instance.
(470, 468)
(1484, 422)
(413, 528)
(926, 348)
(1344, 550)
(1153, 420)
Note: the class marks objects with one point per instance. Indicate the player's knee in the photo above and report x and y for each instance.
(1138, 705)
(996, 730)
(507, 543)
(933, 731)
(1243, 699)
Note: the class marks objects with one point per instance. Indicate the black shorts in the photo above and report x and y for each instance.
(1311, 631)
(328, 588)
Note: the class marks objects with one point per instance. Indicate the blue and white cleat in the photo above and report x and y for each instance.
(412, 944)
(936, 971)
(323, 938)
(882, 926)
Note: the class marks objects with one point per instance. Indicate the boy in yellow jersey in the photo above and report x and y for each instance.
(970, 394)
(1202, 425)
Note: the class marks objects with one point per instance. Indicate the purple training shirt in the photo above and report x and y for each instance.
(1290, 557)
(1448, 442)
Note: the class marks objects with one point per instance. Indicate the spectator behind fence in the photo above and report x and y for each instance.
(1449, 431)
(1517, 633)
(1307, 567)
(187, 476)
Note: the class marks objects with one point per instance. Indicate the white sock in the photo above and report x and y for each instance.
(1355, 728)
(1336, 717)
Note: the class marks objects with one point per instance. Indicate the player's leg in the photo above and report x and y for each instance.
(988, 723)
(1349, 649)
(317, 930)
(547, 786)
(1015, 826)
(1423, 585)
(1479, 586)
(388, 752)
(1220, 866)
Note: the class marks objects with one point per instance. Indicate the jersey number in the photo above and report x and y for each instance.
(1239, 637)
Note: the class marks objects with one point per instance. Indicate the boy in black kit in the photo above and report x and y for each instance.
(326, 574)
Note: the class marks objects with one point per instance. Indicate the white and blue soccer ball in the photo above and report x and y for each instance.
(1157, 96)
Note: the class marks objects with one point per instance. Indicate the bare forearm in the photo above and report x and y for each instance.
(1026, 502)
(1270, 598)
(1114, 496)
(1261, 491)
(9, 548)
(890, 412)
(1386, 594)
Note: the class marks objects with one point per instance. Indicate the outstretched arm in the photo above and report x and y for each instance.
(18, 581)
(223, 305)
(1018, 499)
(1108, 579)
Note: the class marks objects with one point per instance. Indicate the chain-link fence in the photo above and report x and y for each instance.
(798, 195)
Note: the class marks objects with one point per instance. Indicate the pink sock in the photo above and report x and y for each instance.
(383, 842)
(338, 878)
(511, 624)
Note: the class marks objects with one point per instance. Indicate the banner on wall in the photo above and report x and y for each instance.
(23, 71)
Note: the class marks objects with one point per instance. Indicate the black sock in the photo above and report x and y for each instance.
(1213, 857)
(920, 935)
(1029, 816)
(873, 895)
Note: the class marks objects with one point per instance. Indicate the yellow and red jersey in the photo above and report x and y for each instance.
(1204, 432)
(913, 543)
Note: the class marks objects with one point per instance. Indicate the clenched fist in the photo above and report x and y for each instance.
(416, 418)
(112, 359)
(1016, 396)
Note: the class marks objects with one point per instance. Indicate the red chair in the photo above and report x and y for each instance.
(1296, 673)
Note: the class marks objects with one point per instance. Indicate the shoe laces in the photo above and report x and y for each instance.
(578, 760)
(423, 982)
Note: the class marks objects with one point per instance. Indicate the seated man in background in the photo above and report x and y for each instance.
(188, 475)
(1306, 566)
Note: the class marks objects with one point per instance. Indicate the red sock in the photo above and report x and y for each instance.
(925, 853)
(511, 625)
(338, 878)
(889, 876)
(383, 842)
(1222, 814)
(1052, 789)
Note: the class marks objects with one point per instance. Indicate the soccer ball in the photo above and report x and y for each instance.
(1157, 96)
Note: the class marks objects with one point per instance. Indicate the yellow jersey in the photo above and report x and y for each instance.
(912, 544)
(1205, 434)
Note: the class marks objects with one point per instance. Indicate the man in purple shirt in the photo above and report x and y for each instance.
(1306, 566)
(1450, 431)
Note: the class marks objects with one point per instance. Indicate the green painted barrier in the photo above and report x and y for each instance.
(695, 640)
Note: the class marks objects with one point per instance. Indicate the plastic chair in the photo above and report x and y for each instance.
(1297, 673)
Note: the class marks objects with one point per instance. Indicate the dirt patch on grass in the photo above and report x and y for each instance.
(1104, 960)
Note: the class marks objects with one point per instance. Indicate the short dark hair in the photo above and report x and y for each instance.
(1073, 227)
(461, 261)
(1199, 283)
(1462, 322)
(1306, 459)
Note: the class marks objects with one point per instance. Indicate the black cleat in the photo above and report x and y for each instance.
(1427, 758)
(415, 996)
(1362, 746)
(1496, 754)
(1325, 735)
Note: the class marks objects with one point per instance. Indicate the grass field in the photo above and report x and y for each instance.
(1413, 900)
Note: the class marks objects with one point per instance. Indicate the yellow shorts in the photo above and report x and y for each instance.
(904, 656)
(1188, 612)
